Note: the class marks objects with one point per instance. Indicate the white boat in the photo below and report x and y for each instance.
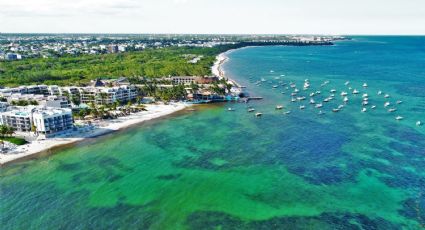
(364, 85)
(300, 98)
(387, 96)
(344, 94)
(282, 75)
(335, 110)
(387, 104)
(230, 109)
(333, 91)
(293, 94)
(364, 110)
(365, 95)
(398, 118)
(418, 123)
(392, 110)
(250, 110)
(278, 107)
(319, 105)
(379, 92)
(277, 78)
(340, 106)
(355, 91)
(347, 83)
(399, 102)
(318, 92)
(326, 100)
(302, 106)
(292, 85)
(296, 90)
(275, 86)
(271, 71)
(365, 103)
(345, 99)
(258, 114)
(312, 101)
(373, 107)
(312, 94)
(287, 112)
(263, 80)
(293, 100)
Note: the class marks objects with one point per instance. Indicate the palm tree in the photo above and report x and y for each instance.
(10, 131)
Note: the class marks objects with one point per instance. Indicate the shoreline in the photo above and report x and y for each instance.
(38, 147)
(104, 127)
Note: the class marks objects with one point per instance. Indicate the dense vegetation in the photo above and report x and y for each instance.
(81, 69)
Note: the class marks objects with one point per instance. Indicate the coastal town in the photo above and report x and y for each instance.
(40, 117)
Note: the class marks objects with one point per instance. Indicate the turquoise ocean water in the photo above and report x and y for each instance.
(215, 169)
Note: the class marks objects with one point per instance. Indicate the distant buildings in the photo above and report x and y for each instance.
(113, 49)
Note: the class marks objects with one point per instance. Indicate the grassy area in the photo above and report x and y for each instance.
(15, 140)
(83, 68)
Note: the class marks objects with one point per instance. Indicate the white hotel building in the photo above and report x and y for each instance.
(46, 120)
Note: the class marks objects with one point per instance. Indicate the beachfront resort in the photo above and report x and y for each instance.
(39, 117)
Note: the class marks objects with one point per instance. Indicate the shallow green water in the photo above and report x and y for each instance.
(214, 169)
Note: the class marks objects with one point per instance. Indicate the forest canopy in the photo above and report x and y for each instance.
(79, 70)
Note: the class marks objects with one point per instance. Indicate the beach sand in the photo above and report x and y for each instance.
(104, 127)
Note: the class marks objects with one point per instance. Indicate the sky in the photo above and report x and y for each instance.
(339, 17)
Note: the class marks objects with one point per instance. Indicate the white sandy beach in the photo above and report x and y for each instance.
(217, 69)
(104, 127)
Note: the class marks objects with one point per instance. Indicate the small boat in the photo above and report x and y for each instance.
(333, 91)
(365, 95)
(278, 107)
(365, 103)
(275, 86)
(271, 71)
(355, 91)
(379, 92)
(302, 106)
(300, 98)
(263, 80)
(387, 104)
(344, 94)
(293, 100)
(332, 95)
(250, 110)
(326, 100)
(418, 123)
(399, 102)
(392, 110)
(258, 114)
(312, 94)
(282, 75)
(373, 107)
(345, 99)
(340, 106)
(287, 112)
(293, 94)
(292, 85)
(230, 109)
(296, 90)
(365, 99)
(364, 85)
(364, 110)
(398, 118)
(387, 96)
(335, 110)
(318, 92)
(277, 78)
(347, 83)
(312, 101)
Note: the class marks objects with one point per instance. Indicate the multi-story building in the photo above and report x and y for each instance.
(50, 121)
(45, 120)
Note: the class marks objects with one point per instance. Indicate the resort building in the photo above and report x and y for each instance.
(44, 120)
